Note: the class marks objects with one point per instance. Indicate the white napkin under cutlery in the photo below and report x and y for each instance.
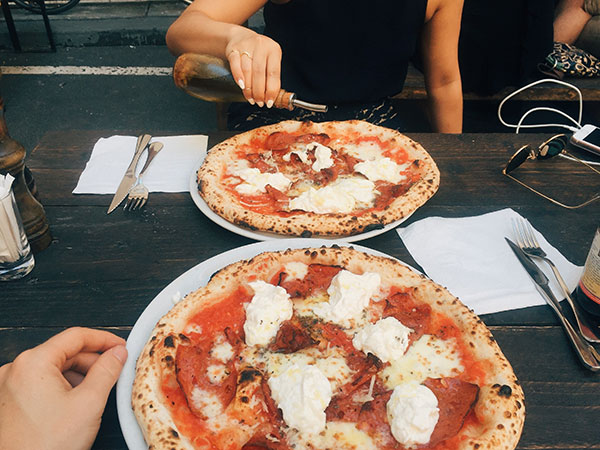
(169, 172)
(470, 257)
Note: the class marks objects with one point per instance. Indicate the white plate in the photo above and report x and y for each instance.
(189, 281)
(264, 235)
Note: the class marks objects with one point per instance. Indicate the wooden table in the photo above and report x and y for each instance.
(102, 271)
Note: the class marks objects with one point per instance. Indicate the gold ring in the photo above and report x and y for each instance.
(232, 51)
(247, 54)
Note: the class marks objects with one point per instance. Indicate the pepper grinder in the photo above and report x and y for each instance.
(12, 160)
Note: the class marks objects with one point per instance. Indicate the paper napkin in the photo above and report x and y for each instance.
(470, 257)
(170, 170)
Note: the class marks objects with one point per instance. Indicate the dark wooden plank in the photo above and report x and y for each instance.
(103, 270)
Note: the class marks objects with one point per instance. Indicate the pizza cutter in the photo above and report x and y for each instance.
(209, 78)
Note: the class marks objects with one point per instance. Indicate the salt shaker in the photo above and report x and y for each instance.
(16, 259)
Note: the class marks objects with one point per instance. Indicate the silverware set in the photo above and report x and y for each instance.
(132, 187)
(581, 335)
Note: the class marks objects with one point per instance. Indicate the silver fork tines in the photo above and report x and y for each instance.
(529, 244)
(138, 195)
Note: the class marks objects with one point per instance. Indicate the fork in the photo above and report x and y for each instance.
(138, 195)
(529, 244)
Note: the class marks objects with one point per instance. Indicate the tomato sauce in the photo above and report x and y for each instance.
(228, 313)
(188, 423)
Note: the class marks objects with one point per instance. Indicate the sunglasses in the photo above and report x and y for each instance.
(554, 146)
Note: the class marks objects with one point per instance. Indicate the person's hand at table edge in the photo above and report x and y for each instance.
(53, 395)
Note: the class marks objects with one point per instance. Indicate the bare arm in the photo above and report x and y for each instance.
(213, 27)
(440, 64)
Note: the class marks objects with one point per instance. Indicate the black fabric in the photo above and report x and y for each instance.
(502, 42)
(337, 51)
(385, 113)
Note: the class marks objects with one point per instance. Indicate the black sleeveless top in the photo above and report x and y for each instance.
(345, 51)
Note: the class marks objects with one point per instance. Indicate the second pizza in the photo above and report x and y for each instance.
(317, 179)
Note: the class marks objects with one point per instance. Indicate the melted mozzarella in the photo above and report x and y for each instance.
(332, 364)
(206, 402)
(413, 413)
(255, 181)
(383, 169)
(342, 196)
(349, 295)
(429, 357)
(366, 151)
(337, 435)
(302, 393)
(295, 270)
(301, 152)
(222, 350)
(322, 155)
(270, 306)
(387, 339)
(216, 373)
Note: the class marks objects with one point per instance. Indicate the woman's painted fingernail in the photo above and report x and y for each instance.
(270, 103)
(251, 101)
(261, 104)
(241, 84)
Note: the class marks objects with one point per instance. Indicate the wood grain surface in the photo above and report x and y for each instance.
(103, 270)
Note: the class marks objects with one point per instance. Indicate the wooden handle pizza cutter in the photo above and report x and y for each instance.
(209, 78)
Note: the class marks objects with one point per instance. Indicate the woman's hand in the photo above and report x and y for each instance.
(52, 396)
(255, 62)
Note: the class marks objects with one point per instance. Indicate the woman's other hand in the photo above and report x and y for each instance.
(52, 396)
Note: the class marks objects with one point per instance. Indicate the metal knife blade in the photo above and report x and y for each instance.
(587, 354)
(129, 177)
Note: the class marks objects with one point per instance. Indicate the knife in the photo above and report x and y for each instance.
(129, 177)
(587, 354)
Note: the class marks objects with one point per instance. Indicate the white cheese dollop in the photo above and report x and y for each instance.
(387, 339)
(295, 270)
(302, 394)
(381, 169)
(413, 413)
(255, 181)
(349, 295)
(270, 306)
(322, 155)
(342, 196)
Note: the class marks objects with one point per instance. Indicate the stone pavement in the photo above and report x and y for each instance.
(96, 24)
(100, 23)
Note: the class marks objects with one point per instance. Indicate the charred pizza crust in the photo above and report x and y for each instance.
(500, 408)
(307, 224)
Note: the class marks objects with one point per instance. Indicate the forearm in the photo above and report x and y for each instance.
(195, 32)
(446, 107)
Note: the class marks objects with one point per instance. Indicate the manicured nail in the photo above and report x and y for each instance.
(241, 84)
(251, 101)
(270, 103)
(261, 104)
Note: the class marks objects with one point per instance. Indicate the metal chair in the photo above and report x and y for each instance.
(12, 31)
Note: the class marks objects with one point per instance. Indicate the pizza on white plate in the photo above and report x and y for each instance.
(317, 179)
(324, 348)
